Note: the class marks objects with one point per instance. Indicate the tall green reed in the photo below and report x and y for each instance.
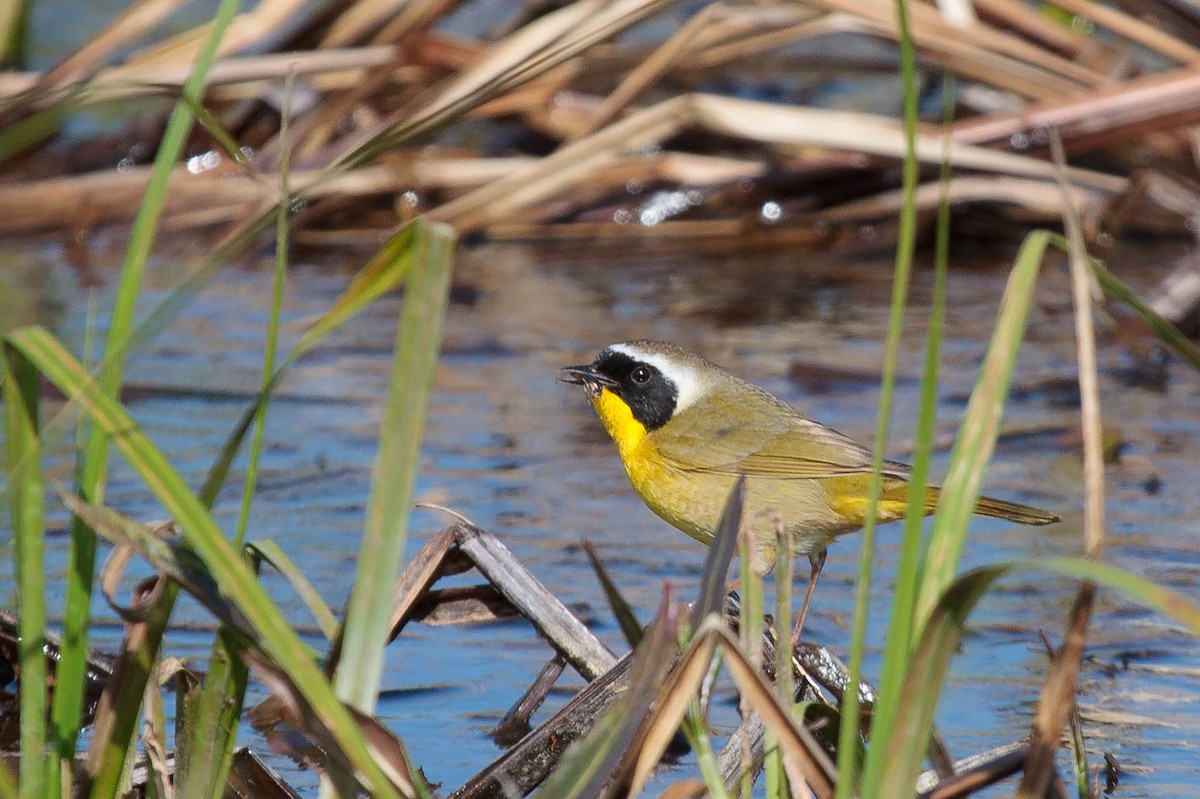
(905, 247)
(66, 714)
(213, 725)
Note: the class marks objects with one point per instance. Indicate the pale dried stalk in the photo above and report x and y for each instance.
(1058, 690)
(715, 35)
(1032, 70)
(359, 19)
(1154, 102)
(413, 18)
(785, 34)
(763, 122)
(1134, 30)
(123, 82)
(864, 133)
(1041, 197)
(224, 194)
(245, 30)
(523, 56)
(1084, 287)
(680, 44)
(129, 24)
(1032, 24)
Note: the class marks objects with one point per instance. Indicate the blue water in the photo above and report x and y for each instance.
(524, 457)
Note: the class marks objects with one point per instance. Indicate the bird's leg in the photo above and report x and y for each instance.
(816, 562)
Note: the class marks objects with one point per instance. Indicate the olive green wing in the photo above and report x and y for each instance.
(762, 437)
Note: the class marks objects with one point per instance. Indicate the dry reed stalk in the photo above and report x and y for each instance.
(764, 123)
(982, 53)
(1133, 108)
(780, 34)
(446, 52)
(714, 235)
(530, 74)
(128, 26)
(359, 19)
(680, 45)
(1178, 19)
(413, 19)
(532, 98)
(1134, 30)
(1036, 26)
(316, 131)
(123, 82)
(1041, 198)
(244, 31)
(715, 35)
(225, 193)
(516, 60)
(219, 194)
(1058, 692)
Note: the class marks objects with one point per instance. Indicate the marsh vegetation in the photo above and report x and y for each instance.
(528, 183)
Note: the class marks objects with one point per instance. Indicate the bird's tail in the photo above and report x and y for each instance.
(1000, 509)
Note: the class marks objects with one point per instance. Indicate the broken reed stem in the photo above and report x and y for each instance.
(1059, 689)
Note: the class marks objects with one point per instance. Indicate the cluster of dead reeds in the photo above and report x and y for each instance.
(386, 110)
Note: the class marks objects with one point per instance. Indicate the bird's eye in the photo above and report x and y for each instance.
(640, 374)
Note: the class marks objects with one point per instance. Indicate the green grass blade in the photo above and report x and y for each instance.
(720, 553)
(55, 428)
(8, 785)
(113, 732)
(695, 732)
(774, 775)
(68, 706)
(70, 672)
(25, 498)
(223, 138)
(750, 631)
(32, 130)
(418, 337)
(905, 246)
(383, 273)
(272, 342)
(212, 730)
(908, 565)
(14, 33)
(596, 759)
(785, 572)
(145, 229)
(223, 695)
(980, 427)
(942, 635)
(622, 611)
(202, 534)
(1116, 289)
(270, 552)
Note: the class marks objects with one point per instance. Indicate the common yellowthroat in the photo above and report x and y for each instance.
(686, 429)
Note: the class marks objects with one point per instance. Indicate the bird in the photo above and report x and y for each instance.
(686, 430)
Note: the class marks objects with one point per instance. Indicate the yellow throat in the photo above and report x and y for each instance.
(618, 420)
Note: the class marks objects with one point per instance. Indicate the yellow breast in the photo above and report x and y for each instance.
(666, 491)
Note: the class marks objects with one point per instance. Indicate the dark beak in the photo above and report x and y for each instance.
(586, 376)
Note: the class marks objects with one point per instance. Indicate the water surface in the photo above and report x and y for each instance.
(524, 457)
